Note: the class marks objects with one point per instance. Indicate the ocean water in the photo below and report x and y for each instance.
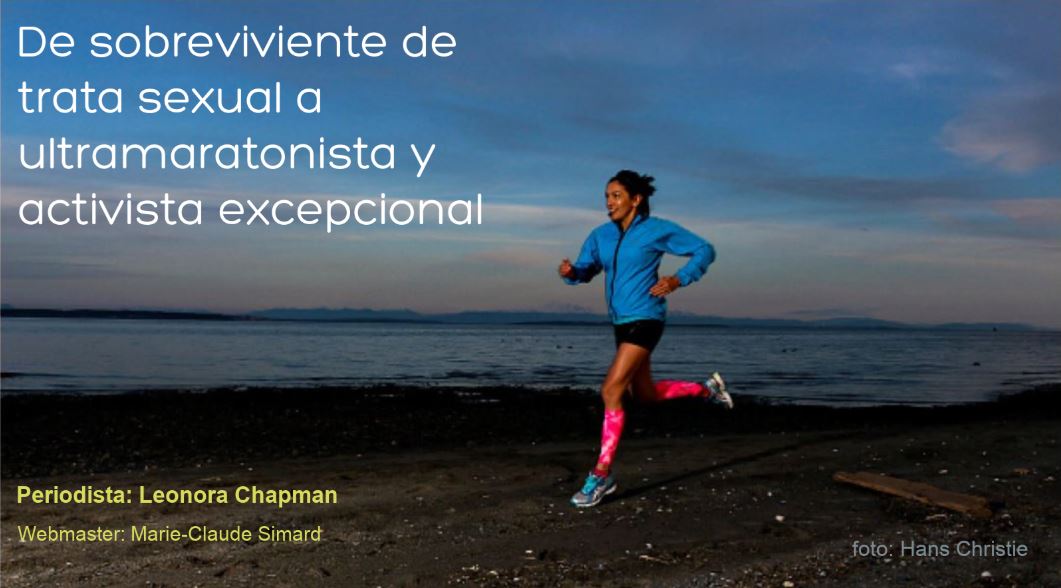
(819, 366)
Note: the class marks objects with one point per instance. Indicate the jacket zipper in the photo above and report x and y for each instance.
(615, 267)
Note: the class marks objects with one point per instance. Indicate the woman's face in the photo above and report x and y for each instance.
(621, 205)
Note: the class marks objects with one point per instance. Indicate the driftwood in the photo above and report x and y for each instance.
(969, 504)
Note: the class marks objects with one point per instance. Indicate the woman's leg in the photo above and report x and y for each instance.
(628, 358)
(646, 390)
(643, 388)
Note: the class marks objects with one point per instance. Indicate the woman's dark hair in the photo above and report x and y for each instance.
(635, 184)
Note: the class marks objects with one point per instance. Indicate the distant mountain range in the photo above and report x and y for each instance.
(483, 317)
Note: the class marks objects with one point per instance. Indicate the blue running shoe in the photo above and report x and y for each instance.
(719, 395)
(594, 491)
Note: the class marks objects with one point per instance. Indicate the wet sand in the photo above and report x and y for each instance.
(470, 487)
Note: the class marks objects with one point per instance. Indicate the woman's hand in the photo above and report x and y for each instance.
(665, 286)
(565, 269)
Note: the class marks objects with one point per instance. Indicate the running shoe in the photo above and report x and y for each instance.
(594, 491)
(719, 395)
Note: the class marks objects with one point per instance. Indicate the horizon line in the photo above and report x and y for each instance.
(588, 313)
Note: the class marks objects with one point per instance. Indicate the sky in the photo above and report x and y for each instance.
(896, 160)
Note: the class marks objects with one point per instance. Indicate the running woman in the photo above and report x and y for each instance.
(629, 249)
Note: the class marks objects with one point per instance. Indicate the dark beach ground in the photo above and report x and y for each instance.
(441, 486)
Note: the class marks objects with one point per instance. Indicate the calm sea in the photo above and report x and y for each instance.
(839, 367)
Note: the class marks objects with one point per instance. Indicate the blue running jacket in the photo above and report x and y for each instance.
(630, 261)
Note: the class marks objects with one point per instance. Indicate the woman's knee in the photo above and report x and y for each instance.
(612, 391)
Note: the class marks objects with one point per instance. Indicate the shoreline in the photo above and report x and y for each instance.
(496, 392)
(47, 434)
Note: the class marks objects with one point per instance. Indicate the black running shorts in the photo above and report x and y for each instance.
(644, 333)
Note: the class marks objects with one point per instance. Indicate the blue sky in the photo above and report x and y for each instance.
(890, 159)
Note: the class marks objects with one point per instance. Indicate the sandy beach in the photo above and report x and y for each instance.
(458, 486)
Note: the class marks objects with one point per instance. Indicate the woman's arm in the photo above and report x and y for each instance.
(587, 265)
(679, 241)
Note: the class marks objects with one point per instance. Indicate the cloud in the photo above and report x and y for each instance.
(53, 270)
(543, 217)
(1024, 219)
(515, 258)
(1014, 131)
(1031, 211)
(868, 190)
(916, 70)
(833, 312)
